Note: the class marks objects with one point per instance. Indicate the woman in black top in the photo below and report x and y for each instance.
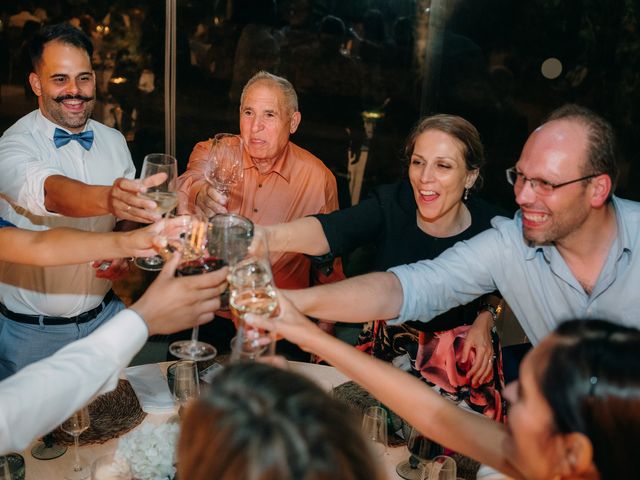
(414, 219)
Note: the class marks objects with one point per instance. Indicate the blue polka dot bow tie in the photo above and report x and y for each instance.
(61, 138)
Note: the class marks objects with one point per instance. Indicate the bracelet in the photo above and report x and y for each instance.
(494, 311)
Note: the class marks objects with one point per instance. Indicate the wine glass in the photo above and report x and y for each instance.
(229, 238)
(75, 425)
(248, 346)
(422, 450)
(253, 291)
(224, 169)
(374, 428)
(188, 235)
(165, 195)
(47, 449)
(186, 384)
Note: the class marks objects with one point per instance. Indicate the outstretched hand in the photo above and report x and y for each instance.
(126, 204)
(289, 324)
(172, 304)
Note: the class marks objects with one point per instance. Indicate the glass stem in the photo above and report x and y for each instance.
(194, 334)
(77, 467)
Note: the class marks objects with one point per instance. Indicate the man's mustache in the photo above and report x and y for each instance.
(62, 98)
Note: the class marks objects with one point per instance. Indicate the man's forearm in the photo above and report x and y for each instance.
(72, 198)
(375, 296)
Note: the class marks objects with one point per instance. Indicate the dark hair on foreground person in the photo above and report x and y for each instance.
(258, 422)
(61, 32)
(592, 384)
(460, 129)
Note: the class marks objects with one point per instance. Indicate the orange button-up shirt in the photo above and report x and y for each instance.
(297, 185)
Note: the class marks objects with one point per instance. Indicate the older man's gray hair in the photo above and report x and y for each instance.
(290, 96)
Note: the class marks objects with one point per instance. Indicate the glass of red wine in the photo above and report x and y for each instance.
(422, 450)
(188, 234)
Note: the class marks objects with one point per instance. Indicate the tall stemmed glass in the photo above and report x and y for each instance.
(75, 425)
(253, 291)
(188, 235)
(224, 169)
(165, 195)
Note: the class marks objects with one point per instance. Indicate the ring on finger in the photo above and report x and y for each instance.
(128, 207)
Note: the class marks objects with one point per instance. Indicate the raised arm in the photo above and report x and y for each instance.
(303, 235)
(65, 246)
(470, 434)
(73, 198)
(374, 296)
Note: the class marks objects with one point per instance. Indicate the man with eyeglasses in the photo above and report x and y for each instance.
(567, 253)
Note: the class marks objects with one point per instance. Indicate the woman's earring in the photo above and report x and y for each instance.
(466, 193)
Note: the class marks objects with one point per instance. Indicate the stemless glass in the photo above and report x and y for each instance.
(374, 428)
(224, 169)
(188, 235)
(442, 467)
(186, 384)
(229, 238)
(75, 425)
(165, 195)
(111, 467)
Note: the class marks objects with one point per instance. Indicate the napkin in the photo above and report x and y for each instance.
(151, 388)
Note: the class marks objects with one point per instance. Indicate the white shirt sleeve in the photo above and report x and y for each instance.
(42, 395)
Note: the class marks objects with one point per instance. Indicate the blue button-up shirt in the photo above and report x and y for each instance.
(534, 280)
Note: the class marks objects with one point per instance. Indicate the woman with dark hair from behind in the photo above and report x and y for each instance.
(259, 422)
(574, 412)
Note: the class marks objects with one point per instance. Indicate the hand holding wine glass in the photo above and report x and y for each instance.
(75, 425)
(164, 195)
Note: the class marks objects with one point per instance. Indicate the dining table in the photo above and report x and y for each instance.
(325, 376)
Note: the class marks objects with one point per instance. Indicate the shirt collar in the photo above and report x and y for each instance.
(49, 127)
(281, 167)
(622, 240)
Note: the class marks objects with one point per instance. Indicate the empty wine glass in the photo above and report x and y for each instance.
(374, 428)
(75, 425)
(186, 384)
(47, 449)
(188, 235)
(224, 169)
(165, 195)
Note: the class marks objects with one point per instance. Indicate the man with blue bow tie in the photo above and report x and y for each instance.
(61, 168)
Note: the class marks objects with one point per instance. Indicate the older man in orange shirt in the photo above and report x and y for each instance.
(281, 182)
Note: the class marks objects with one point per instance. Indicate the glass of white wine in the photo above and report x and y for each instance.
(253, 291)
(165, 195)
(75, 425)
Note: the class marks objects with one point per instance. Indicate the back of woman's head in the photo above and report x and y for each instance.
(592, 384)
(257, 422)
